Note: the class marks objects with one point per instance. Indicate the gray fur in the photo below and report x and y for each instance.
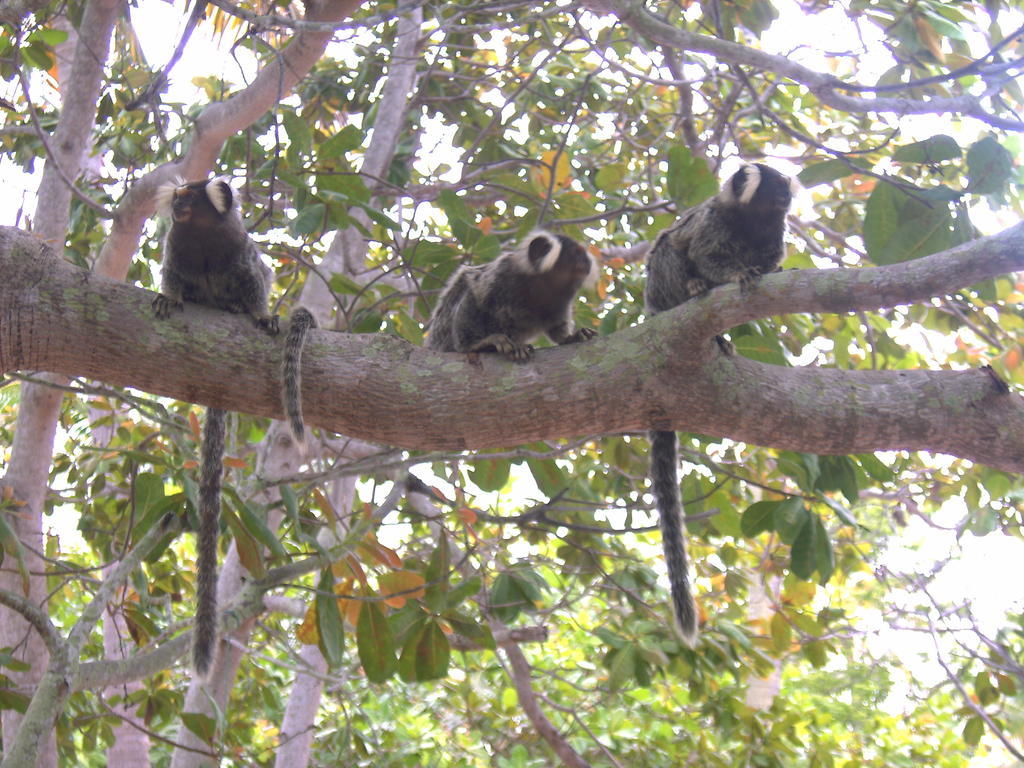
(210, 260)
(509, 302)
(291, 371)
(735, 236)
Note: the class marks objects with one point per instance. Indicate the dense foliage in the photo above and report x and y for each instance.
(584, 121)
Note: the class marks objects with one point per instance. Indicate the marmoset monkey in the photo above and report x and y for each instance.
(505, 304)
(210, 259)
(735, 236)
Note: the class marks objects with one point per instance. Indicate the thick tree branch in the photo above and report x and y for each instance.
(665, 373)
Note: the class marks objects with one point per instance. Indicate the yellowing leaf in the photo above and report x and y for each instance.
(1012, 358)
(307, 633)
(234, 461)
(193, 422)
(558, 163)
(485, 225)
(399, 586)
(929, 38)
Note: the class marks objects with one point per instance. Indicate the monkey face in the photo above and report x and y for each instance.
(191, 204)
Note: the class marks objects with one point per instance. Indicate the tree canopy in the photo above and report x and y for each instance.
(463, 565)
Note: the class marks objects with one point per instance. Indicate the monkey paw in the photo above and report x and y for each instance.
(513, 350)
(271, 324)
(582, 334)
(162, 306)
(748, 280)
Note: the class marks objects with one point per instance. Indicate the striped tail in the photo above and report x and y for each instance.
(212, 458)
(665, 486)
(291, 371)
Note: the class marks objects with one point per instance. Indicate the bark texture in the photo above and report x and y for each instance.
(665, 374)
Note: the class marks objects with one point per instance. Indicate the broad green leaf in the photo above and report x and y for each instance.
(203, 726)
(330, 627)
(621, 666)
(791, 516)
(838, 474)
(932, 150)
(758, 518)
(249, 551)
(490, 474)
(10, 699)
(689, 180)
(548, 475)
(824, 172)
(432, 653)
(898, 227)
(309, 220)
(345, 140)
(258, 529)
(812, 551)
(375, 642)
(974, 729)
(989, 166)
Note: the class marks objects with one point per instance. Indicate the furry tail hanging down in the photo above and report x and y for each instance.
(205, 633)
(291, 371)
(665, 486)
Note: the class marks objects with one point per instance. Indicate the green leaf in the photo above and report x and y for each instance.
(781, 632)
(249, 552)
(309, 220)
(345, 140)
(513, 592)
(825, 172)
(258, 529)
(791, 516)
(609, 177)
(432, 653)
(689, 180)
(376, 644)
(931, 150)
(490, 474)
(816, 653)
(12, 546)
(330, 627)
(621, 666)
(548, 475)
(838, 474)
(454, 207)
(989, 166)
(341, 283)
(812, 551)
(758, 518)
(203, 726)
(898, 227)
(974, 729)
(10, 699)
(467, 588)
(299, 135)
(437, 575)
(49, 36)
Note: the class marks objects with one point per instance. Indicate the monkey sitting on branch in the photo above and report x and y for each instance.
(210, 259)
(505, 304)
(734, 237)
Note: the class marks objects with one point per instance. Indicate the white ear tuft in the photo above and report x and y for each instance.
(794, 185)
(542, 251)
(164, 196)
(750, 183)
(221, 195)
